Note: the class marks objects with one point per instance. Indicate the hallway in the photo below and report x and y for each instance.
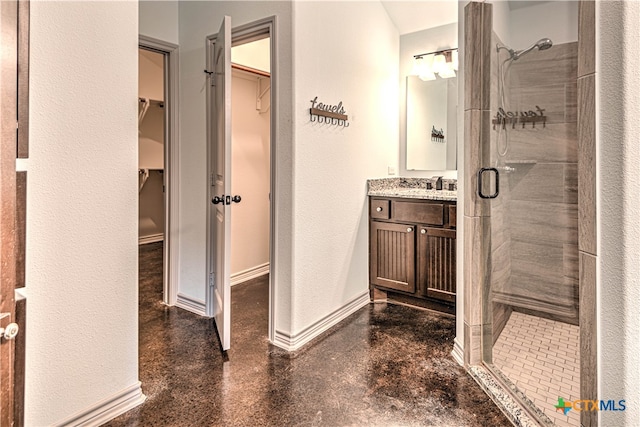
(384, 365)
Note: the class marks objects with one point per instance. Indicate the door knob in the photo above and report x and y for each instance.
(236, 199)
(10, 331)
(216, 200)
(409, 229)
(378, 209)
(423, 231)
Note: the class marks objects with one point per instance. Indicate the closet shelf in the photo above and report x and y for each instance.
(145, 103)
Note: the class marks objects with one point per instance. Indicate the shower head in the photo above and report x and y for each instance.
(542, 44)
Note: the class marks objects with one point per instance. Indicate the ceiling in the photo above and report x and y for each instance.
(417, 15)
(412, 16)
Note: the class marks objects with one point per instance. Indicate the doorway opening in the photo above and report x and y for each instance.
(157, 155)
(249, 157)
(250, 162)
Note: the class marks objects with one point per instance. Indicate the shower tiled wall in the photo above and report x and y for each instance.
(534, 221)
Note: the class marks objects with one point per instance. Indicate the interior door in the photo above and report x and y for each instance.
(221, 188)
(14, 63)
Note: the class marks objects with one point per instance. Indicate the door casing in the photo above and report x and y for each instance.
(246, 33)
(171, 164)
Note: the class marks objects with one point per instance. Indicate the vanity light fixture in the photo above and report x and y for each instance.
(442, 62)
(423, 69)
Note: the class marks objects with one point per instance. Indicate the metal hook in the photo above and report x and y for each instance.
(313, 119)
(346, 124)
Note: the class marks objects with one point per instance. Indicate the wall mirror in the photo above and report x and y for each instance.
(431, 136)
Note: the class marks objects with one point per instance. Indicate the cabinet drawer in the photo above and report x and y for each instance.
(379, 209)
(417, 212)
(452, 216)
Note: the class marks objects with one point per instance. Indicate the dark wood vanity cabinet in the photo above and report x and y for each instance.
(412, 250)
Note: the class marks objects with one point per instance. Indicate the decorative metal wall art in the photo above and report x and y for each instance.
(330, 114)
(437, 135)
(503, 118)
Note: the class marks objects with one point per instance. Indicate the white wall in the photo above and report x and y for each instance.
(254, 55)
(554, 19)
(522, 26)
(429, 40)
(197, 21)
(82, 343)
(249, 176)
(618, 91)
(159, 19)
(358, 65)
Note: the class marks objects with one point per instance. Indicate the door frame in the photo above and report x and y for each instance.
(171, 164)
(241, 34)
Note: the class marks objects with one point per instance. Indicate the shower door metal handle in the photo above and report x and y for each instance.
(480, 174)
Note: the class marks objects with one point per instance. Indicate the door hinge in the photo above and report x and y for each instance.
(213, 180)
(212, 279)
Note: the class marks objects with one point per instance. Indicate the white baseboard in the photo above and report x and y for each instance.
(152, 238)
(294, 342)
(191, 304)
(249, 273)
(458, 352)
(108, 408)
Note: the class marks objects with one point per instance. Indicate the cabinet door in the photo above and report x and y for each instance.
(437, 263)
(392, 256)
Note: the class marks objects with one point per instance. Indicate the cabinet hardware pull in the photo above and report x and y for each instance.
(379, 209)
(409, 230)
(423, 231)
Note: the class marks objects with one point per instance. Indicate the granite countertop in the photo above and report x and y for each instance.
(410, 188)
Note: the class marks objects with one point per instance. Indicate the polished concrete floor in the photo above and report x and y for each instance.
(386, 365)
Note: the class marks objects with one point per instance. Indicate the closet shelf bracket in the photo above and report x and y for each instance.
(145, 176)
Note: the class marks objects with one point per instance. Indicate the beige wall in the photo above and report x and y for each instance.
(250, 175)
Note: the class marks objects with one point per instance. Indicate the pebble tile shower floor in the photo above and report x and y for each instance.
(386, 365)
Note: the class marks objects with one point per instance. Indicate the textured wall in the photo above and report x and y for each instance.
(82, 345)
(159, 19)
(618, 132)
(357, 65)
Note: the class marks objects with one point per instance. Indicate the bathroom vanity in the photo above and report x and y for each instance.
(412, 244)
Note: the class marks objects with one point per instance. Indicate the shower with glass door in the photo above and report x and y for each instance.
(530, 180)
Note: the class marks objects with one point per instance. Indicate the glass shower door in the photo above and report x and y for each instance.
(532, 301)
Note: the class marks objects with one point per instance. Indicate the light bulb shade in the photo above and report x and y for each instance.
(427, 75)
(439, 62)
(418, 66)
(447, 71)
(422, 68)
